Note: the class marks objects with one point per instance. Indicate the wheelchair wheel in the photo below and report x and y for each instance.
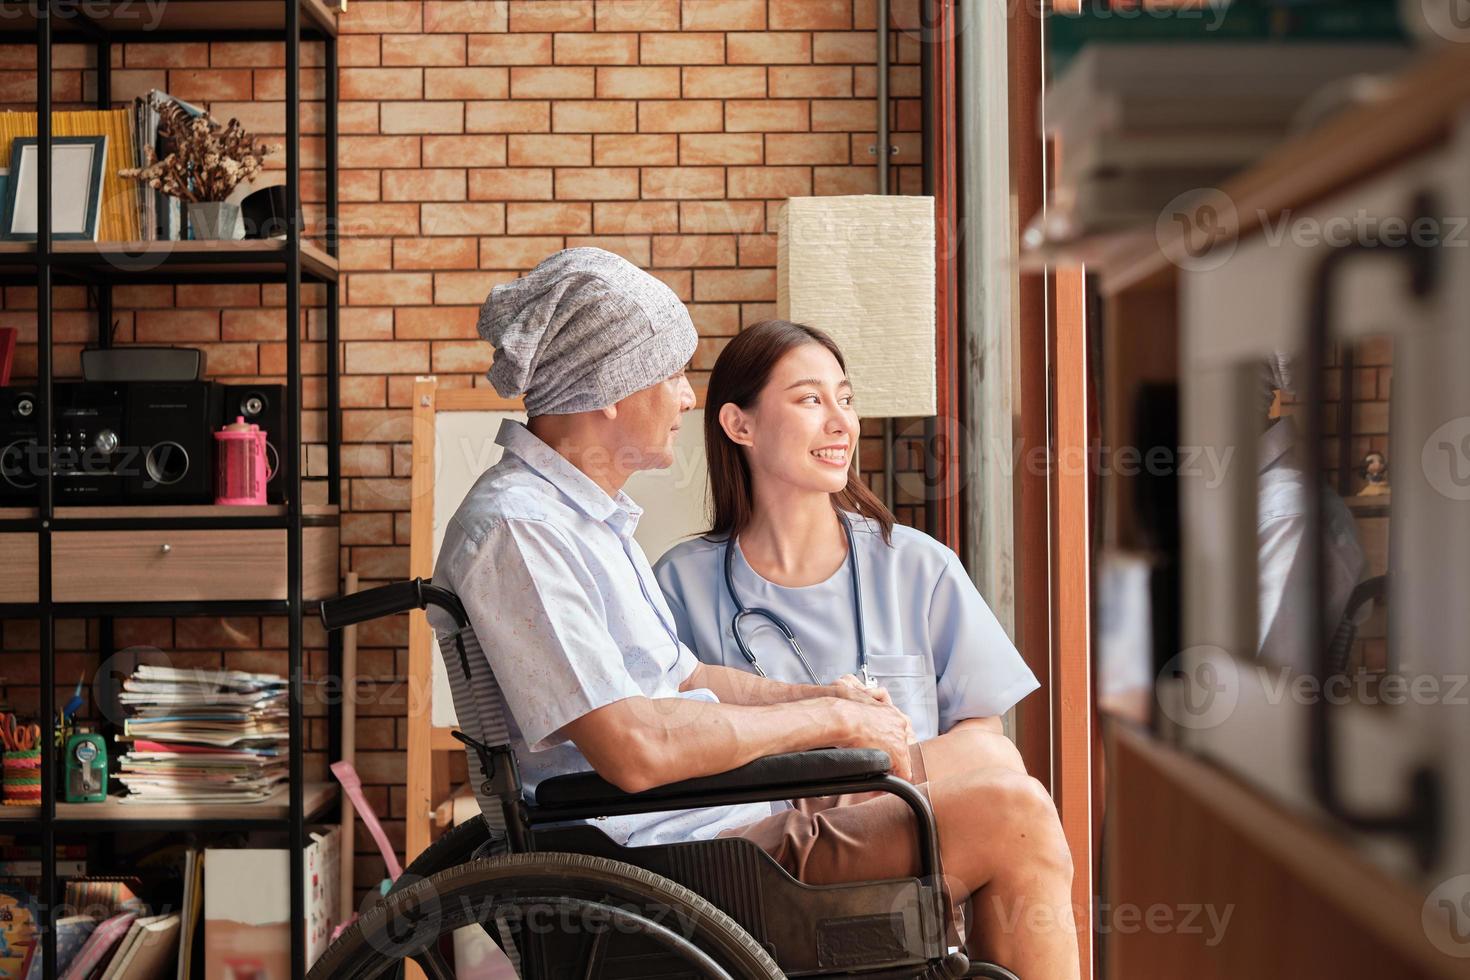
(604, 908)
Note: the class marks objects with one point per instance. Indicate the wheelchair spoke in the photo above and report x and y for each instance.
(594, 957)
(432, 962)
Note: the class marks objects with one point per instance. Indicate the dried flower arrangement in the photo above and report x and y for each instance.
(207, 161)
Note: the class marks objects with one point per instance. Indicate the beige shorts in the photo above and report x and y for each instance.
(828, 840)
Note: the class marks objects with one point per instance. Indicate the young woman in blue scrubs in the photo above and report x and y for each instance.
(781, 429)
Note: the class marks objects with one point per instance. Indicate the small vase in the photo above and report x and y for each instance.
(215, 220)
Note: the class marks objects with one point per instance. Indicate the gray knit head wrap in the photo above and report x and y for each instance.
(583, 330)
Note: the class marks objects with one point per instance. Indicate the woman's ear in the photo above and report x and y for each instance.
(737, 424)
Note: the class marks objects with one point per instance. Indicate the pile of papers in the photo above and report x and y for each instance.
(203, 736)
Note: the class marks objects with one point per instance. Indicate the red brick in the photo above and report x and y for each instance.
(381, 83)
(845, 48)
(811, 15)
(270, 85)
(706, 48)
(169, 325)
(685, 251)
(844, 180)
(383, 17)
(511, 184)
(643, 217)
(391, 357)
(552, 83)
(464, 151)
(722, 319)
(253, 324)
(539, 150)
(637, 15)
(217, 294)
(378, 151)
(720, 148)
(388, 288)
(683, 182)
(843, 115)
(730, 285)
(724, 15)
(616, 150)
(366, 323)
(638, 83)
(127, 83)
(379, 219)
(365, 254)
(681, 116)
(812, 81)
(436, 253)
(366, 460)
(636, 249)
(721, 217)
(209, 84)
(256, 54)
(769, 48)
(422, 117)
(552, 15)
(477, 218)
(594, 117)
(423, 49)
(724, 82)
(681, 281)
(767, 116)
(189, 54)
(360, 392)
(461, 356)
(784, 149)
(465, 83)
(358, 185)
(595, 49)
(597, 184)
(509, 49)
(460, 288)
(508, 117)
(516, 253)
(357, 117)
(561, 218)
(232, 360)
(468, 16)
(353, 50)
(424, 185)
(432, 322)
(129, 297)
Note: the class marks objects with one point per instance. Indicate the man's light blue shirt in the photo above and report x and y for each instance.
(566, 607)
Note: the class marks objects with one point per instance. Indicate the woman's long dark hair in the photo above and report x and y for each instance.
(740, 374)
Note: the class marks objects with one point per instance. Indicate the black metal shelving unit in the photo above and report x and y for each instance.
(101, 265)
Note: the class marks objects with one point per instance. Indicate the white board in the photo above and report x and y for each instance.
(673, 500)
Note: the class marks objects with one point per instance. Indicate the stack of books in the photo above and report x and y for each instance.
(203, 736)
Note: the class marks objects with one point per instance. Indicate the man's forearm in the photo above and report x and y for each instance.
(733, 686)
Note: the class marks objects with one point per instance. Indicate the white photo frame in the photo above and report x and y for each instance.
(77, 165)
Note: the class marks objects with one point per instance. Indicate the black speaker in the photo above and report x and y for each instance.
(263, 405)
(19, 464)
(173, 443)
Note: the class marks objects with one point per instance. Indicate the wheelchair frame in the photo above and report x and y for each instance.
(890, 928)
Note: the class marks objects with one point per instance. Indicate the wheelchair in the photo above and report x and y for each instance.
(563, 900)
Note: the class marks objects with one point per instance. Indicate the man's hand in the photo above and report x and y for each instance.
(870, 725)
(850, 687)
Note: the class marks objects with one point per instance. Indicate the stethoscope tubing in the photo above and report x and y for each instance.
(741, 612)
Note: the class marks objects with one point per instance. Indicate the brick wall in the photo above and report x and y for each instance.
(476, 138)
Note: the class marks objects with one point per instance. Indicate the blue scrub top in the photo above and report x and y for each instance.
(932, 640)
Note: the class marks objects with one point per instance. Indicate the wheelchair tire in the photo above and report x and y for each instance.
(433, 907)
(459, 845)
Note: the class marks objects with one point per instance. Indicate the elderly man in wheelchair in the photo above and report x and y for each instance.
(630, 795)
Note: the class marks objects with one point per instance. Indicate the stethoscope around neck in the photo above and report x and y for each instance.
(741, 612)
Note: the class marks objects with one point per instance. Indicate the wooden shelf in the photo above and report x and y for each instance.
(1425, 104)
(175, 17)
(318, 796)
(255, 259)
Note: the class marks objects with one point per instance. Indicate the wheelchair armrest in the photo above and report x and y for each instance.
(771, 773)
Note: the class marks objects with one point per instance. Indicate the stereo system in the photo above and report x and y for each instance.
(131, 442)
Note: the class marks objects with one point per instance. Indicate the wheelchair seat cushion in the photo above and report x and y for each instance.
(772, 772)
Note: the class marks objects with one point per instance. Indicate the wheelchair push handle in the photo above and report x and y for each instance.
(389, 600)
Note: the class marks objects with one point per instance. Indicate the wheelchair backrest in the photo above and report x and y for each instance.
(479, 705)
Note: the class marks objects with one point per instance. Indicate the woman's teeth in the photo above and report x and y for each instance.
(831, 455)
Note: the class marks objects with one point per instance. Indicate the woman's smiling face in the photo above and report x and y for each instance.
(803, 429)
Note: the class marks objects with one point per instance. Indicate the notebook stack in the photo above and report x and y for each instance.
(203, 736)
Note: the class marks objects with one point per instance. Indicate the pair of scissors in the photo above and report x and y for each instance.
(17, 737)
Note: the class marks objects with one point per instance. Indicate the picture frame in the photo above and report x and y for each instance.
(77, 164)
